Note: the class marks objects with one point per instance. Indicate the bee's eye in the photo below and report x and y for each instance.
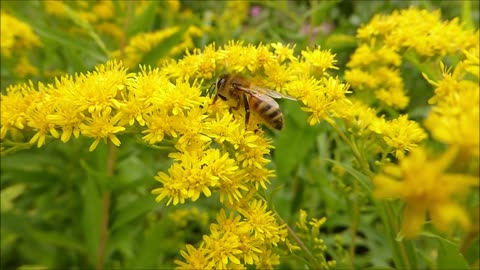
(221, 82)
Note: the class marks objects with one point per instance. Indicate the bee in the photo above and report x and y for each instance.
(237, 91)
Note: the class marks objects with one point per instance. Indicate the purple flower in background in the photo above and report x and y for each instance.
(255, 11)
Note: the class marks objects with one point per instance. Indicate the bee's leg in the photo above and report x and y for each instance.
(215, 99)
(247, 110)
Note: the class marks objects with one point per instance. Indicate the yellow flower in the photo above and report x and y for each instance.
(284, 52)
(196, 173)
(263, 223)
(401, 134)
(238, 240)
(426, 187)
(101, 125)
(24, 68)
(139, 45)
(429, 36)
(13, 106)
(366, 55)
(320, 60)
(235, 56)
(456, 115)
(56, 8)
(16, 36)
(195, 259)
(361, 80)
(371, 71)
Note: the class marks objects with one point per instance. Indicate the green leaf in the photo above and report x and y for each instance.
(471, 254)
(142, 22)
(91, 217)
(9, 194)
(58, 239)
(359, 176)
(294, 142)
(157, 243)
(133, 211)
(68, 42)
(162, 49)
(449, 257)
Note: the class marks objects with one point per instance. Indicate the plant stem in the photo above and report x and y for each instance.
(316, 265)
(105, 214)
(356, 153)
(395, 228)
(354, 227)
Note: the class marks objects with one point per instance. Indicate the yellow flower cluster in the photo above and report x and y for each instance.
(98, 14)
(426, 187)
(455, 117)
(215, 152)
(309, 234)
(16, 36)
(17, 39)
(386, 38)
(86, 104)
(141, 44)
(236, 241)
(375, 69)
(429, 36)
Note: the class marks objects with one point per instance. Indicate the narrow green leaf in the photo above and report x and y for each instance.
(64, 40)
(144, 21)
(58, 239)
(163, 48)
(359, 176)
(85, 25)
(91, 217)
(449, 256)
(471, 254)
(132, 211)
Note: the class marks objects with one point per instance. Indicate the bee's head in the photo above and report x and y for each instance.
(221, 81)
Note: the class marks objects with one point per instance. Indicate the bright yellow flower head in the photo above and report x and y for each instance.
(429, 36)
(427, 188)
(455, 117)
(401, 134)
(16, 35)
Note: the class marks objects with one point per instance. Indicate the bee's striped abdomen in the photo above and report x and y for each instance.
(268, 110)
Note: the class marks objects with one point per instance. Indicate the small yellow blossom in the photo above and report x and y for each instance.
(195, 259)
(401, 134)
(426, 187)
(16, 35)
(320, 60)
(283, 52)
(455, 117)
(429, 36)
(101, 125)
(238, 240)
(139, 45)
(24, 68)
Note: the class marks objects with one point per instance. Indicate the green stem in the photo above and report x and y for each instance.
(105, 214)
(392, 224)
(356, 153)
(354, 227)
(316, 264)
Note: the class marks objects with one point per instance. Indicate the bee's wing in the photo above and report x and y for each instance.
(255, 90)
